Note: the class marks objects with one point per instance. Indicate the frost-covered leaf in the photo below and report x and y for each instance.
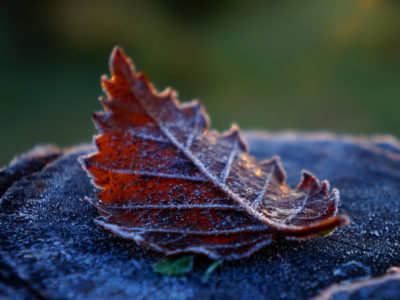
(171, 184)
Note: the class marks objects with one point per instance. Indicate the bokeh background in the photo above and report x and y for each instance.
(304, 65)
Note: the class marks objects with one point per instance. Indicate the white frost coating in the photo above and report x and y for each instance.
(260, 196)
(189, 140)
(225, 172)
(175, 206)
(299, 209)
(209, 251)
(336, 196)
(151, 174)
(147, 137)
(136, 236)
(210, 232)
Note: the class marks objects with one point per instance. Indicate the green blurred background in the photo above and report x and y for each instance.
(303, 65)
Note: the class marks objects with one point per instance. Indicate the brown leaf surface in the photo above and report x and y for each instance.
(171, 184)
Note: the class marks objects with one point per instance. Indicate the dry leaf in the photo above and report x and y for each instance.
(172, 185)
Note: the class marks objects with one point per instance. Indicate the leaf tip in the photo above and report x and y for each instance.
(117, 53)
(120, 63)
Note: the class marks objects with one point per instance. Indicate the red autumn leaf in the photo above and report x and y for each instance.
(172, 185)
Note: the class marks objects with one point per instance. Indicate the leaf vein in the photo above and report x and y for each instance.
(260, 196)
(225, 172)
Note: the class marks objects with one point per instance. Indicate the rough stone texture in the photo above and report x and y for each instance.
(50, 247)
(386, 287)
(27, 164)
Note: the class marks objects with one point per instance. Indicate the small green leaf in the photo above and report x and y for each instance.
(172, 266)
(211, 269)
